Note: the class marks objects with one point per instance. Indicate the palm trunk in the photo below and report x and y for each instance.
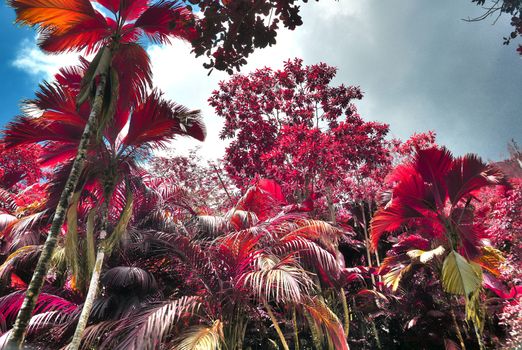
(377, 257)
(296, 330)
(89, 300)
(35, 286)
(276, 326)
(367, 242)
(346, 314)
(93, 284)
(456, 327)
(370, 264)
(95, 277)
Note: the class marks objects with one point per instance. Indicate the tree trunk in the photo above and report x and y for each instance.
(367, 242)
(370, 264)
(346, 313)
(96, 273)
(33, 290)
(377, 257)
(296, 330)
(456, 327)
(331, 206)
(89, 299)
(276, 326)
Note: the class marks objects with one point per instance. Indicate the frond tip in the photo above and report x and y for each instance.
(150, 328)
(201, 337)
(275, 279)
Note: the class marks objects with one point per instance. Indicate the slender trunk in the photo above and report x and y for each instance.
(89, 300)
(95, 277)
(276, 326)
(346, 312)
(370, 264)
(331, 206)
(35, 286)
(296, 330)
(377, 257)
(367, 242)
(457, 328)
(222, 183)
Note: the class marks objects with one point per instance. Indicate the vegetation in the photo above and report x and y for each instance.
(319, 232)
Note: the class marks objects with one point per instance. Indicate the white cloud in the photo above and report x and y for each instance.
(419, 65)
(38, 64)
(184, 79)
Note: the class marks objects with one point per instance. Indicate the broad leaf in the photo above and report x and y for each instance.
(460, 276)
(323, 317)
(393, 278)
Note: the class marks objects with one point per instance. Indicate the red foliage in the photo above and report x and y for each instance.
(433, 192)
(226, 31)
(19, 166)
(499, 214)
(73, 25)
(292, 126)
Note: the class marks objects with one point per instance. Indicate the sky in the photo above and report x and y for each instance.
(421, 68)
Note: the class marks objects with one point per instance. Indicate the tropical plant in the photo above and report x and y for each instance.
(432, 194)
(180, 288)
(118, 72)
(111, 169)
(118, 75)
(267, 113)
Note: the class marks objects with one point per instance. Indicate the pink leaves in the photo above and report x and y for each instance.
(158, 120)
(264, 199)
(165, 20)
(292, 126)
(427, 193)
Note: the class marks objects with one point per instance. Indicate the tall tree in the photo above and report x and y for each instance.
(434, 192)
(66, 25)
(111, 161)
(293, 126)
(119, 71)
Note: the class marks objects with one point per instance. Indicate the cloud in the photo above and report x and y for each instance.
(421, 68)
(184, 79)
(38, 64)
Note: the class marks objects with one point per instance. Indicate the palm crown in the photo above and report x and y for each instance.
(73, 25)
(435, 190)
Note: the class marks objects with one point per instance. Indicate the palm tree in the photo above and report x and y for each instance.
(433, 194)
(112, 167)
(117, 76)
(180, 287)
